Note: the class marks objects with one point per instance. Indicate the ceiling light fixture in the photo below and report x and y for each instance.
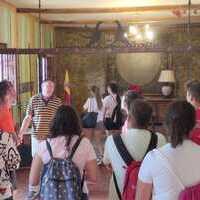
(133, 30)
(138, 37)
(136, 33)
(149, 35)
(147, 26)
(125, 35)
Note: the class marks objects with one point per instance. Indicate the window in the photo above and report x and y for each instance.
(8, 68)
(44, 68)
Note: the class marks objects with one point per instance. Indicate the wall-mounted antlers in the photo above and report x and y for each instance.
(96, 36)
(119, 35)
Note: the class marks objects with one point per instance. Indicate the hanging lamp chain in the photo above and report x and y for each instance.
(40, 28)
(189, 20)
(189, 37)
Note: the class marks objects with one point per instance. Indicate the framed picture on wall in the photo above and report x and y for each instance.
(8, 66)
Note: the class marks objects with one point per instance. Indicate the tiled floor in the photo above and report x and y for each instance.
(98, 192)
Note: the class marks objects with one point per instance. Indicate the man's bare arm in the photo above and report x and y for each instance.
(25, 124)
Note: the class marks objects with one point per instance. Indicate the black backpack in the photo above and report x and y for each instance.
(117, 117)
(116, 121)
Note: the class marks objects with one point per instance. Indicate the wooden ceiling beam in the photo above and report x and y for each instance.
(66, 22)
(111, 29)
(105, 10)
(127, 21)
(140, 48)
(76, 50)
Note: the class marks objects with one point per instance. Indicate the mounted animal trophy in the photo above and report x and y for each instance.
(119, 35)
(95, 37)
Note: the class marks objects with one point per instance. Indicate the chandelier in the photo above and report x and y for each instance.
(139, 34)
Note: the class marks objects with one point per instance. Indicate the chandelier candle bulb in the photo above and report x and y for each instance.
(138, 37)
(149, 35)
(125, 35)
(147, 27)
(133, 30)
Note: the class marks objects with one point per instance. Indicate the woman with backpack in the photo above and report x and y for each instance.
(112, 114)
(96, 134)
(172, 172)
(136, 141)
(64, 156)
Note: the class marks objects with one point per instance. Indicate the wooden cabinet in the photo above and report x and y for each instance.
(160, 106)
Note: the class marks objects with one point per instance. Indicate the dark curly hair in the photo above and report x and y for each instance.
(5, 86)
(65, 123)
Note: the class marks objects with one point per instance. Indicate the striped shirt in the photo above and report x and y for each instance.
(42, 113)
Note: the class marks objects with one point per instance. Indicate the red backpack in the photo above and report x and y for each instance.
(187, 193)
(132, 170)
(190, 193)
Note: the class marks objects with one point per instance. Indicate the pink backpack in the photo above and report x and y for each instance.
(132, 169)
(187, 193)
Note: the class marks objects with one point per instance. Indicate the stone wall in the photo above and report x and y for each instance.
(99, 69)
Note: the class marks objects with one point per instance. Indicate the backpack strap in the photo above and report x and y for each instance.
(114, 113)
(166, 163)
(1, 133)
(122, 150)
(74, 148)
(49, 149)
(153, 142)
(126, 156)
(116, 186)
(83, 179)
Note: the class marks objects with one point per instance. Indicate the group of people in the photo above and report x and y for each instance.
(51, 121)
(167, 172)
(164, 172)
(109, 116)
